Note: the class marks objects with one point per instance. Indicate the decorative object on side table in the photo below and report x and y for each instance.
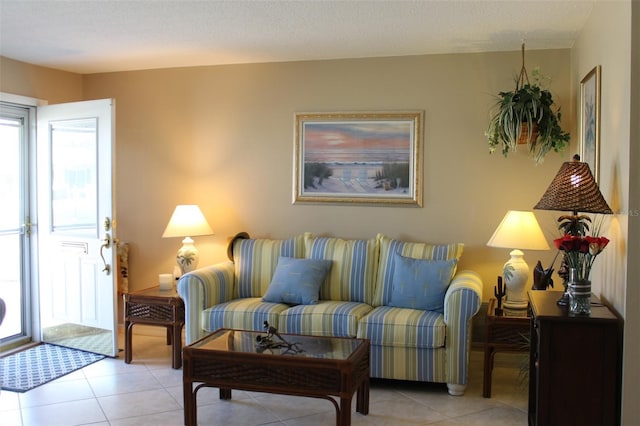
(574, 189)
(123, 267)
(517, 229)
(579, 254)
(187, 221)
(499, 291)
(526, 116)
(165, 281)
(542, 277)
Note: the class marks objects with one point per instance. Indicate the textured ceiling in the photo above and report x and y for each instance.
(89, 36)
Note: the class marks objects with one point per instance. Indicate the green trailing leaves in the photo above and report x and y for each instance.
(534, 107)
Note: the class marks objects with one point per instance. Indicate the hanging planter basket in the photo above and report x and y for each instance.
(526, 116)
(527, 137)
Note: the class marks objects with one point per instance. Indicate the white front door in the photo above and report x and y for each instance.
(77, 254)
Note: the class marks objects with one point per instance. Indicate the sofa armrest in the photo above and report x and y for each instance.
(201, 289)
(461, 302)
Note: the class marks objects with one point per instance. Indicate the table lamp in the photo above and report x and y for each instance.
(187, 221)
(518, 230)
(573, 189)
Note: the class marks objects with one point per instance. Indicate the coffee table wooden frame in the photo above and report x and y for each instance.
(280, 374)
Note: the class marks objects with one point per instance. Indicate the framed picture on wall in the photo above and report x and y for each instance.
(590, 121)
(368, 158)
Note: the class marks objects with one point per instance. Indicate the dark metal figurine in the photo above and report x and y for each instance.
(542, 277)
(266, 342)
(499, 291)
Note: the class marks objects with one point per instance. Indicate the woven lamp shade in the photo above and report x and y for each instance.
(574, 189)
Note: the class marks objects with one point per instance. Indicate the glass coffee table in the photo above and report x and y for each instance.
(325, 367)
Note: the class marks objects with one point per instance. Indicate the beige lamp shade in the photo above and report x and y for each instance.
(519, 229)
(187, 221)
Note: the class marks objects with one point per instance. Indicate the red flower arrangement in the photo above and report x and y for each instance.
(581, 252)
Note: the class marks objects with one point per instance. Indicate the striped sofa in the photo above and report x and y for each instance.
(406, 344)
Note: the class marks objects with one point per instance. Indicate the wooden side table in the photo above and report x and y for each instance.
(506, 332)
(155, 307)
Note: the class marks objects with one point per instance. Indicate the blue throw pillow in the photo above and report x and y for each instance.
(297, 281)
(421, 283)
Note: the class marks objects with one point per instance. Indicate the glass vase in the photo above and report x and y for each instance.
(579, 294)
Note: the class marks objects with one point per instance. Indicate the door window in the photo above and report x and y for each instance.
(74, 165)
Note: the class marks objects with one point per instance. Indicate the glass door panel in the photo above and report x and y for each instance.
(74, 165)
(13, 286)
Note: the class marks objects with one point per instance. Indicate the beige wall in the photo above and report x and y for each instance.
(606, 40)
(631, 367)
(54, 86)
(222, 137)
(592, 48)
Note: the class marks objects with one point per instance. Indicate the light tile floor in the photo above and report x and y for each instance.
(149, 392)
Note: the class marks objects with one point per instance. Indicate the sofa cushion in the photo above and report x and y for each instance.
(242, 314)
(401, 327)
(256, 260)
(297, 281)
(389, 247)
(327, 318)
(353, 272)
(420, 283)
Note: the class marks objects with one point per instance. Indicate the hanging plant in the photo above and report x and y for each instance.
(526, 116)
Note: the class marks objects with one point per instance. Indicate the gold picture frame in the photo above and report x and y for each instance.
(590, 120)
(372, 158)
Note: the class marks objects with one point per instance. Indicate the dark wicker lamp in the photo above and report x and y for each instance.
(574, 189)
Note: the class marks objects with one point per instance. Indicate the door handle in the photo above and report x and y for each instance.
(106, 245)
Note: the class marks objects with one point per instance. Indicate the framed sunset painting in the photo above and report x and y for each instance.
(370, 158)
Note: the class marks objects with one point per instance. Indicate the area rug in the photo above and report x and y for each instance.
(36, 366)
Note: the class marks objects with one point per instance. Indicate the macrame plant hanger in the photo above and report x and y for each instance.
(526, 135)
(523, 73)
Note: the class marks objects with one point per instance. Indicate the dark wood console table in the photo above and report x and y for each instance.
(574, 375)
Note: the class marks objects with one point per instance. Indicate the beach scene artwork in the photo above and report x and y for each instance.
(358, 158)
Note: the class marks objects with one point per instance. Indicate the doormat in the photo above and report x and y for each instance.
(36, 366)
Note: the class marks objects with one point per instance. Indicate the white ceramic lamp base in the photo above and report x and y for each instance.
(516, 274)
(188, 256)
